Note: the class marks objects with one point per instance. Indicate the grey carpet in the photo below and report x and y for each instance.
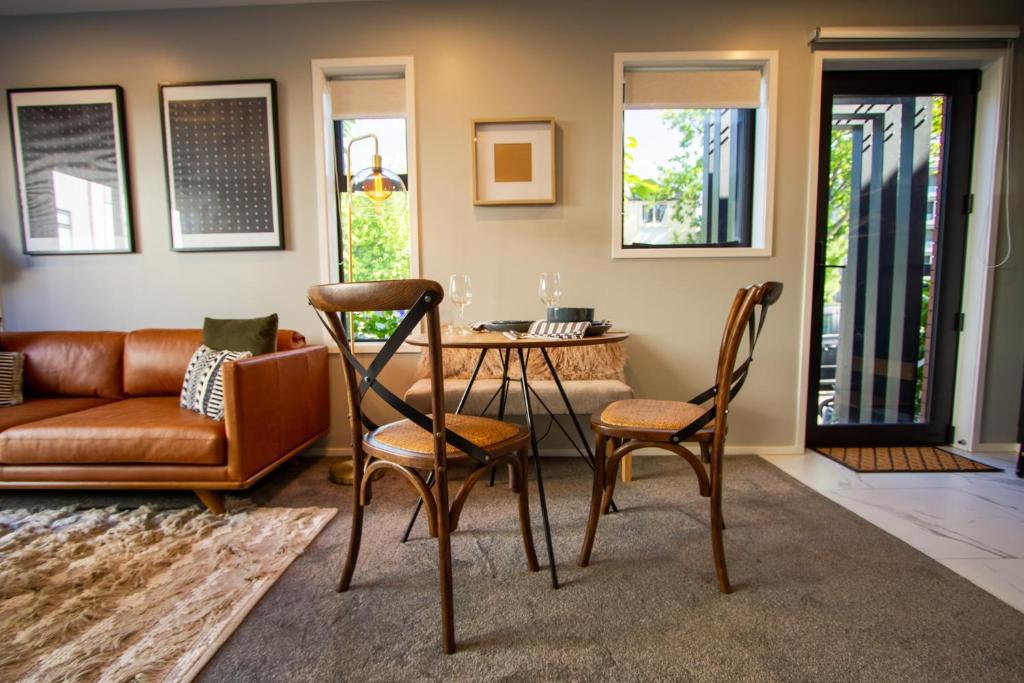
(819, 593)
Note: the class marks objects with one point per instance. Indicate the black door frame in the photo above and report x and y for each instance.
(961, 88)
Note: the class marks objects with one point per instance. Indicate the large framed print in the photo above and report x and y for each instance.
(71, 167)
(223, 165)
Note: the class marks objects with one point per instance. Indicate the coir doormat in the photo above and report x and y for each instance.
(903, 459)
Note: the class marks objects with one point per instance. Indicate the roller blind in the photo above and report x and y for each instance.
(693, 89)
(352, 98)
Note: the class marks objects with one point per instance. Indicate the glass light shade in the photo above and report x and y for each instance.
(377, 183)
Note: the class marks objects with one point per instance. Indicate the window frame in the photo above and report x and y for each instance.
(762, 217)
(325, 70)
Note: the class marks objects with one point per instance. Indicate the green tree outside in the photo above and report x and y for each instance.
(380, 250)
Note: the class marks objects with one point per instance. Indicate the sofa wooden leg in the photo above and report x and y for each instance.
(212, 500)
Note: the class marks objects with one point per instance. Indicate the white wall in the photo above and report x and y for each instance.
(473, 60)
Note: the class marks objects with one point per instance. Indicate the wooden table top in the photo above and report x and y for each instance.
(497, 340)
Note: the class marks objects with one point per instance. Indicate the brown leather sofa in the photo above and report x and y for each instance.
(101, 412)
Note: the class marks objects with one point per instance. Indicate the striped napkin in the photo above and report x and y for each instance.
(550, 330)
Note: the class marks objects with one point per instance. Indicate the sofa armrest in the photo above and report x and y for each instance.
(274, 403)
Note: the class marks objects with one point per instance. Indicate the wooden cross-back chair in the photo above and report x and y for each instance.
(628, 425)
(419, 442)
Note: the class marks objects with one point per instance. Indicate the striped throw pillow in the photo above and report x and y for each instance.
(203, 388)
(12, 365)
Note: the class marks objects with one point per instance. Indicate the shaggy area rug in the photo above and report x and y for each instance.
(112, 595)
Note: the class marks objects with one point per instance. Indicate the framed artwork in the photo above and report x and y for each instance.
(514, 161)
(72, 170)
(223, 165)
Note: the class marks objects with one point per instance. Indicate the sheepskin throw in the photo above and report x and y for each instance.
(144, 594)
(599, 361)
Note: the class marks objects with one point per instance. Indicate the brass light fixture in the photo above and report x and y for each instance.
(378, 184)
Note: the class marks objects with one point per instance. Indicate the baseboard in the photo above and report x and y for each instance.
(997, 448)
(335, 451)
(321, 451)
(736, 450)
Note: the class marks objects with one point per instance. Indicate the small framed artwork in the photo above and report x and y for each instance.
(223, 165)
(514, 161)
(71, 166)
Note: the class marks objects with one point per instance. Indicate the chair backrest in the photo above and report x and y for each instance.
(420, 299)
(744, 321)
(729, 377)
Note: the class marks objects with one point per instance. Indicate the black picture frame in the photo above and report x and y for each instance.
(70, 149)
(222, 165)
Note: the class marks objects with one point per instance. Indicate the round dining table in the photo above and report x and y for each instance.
(522, 345)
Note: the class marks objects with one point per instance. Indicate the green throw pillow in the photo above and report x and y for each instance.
(256, 335)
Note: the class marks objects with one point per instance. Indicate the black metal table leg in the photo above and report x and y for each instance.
(416, 511)
(572, 414)
(458, 409)
(472, 379)
(536, 463)
(503, 400)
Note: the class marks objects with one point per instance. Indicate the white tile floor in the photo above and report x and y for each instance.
(972, 523)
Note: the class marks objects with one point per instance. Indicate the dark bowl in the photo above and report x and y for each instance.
(569, 315)
(508, 325)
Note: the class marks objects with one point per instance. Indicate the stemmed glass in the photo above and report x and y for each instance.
(460, 289)
(550, 288)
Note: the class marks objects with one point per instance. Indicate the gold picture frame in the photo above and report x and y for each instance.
(513, 161)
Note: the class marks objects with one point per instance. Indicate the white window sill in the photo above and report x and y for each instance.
(373, 347)
(692, 252)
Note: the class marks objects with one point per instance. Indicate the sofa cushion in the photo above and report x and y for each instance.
(587, 396)
(12, 370)
(203, 389)
(42, 408)
(255, 335)
(152, 430)
(155, 360)
(70, 363)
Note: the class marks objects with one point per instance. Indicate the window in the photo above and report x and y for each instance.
(692, 154)
(380, 233)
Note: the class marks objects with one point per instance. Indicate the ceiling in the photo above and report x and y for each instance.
(68, 6)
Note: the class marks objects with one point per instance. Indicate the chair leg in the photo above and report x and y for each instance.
(444, 561)
(600, 457)
(705, 452)
(609, 488)
(718, 525)
(444, 554)
(355, 533)
(524, 512)
(718, 547)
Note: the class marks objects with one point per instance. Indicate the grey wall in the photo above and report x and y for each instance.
(473, 60)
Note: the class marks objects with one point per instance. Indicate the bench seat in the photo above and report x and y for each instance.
(586, 395)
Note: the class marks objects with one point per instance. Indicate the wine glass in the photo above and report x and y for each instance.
(460, 289)
(550, 288)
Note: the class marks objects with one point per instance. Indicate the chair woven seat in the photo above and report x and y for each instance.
(643, 413)
(407, 436)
